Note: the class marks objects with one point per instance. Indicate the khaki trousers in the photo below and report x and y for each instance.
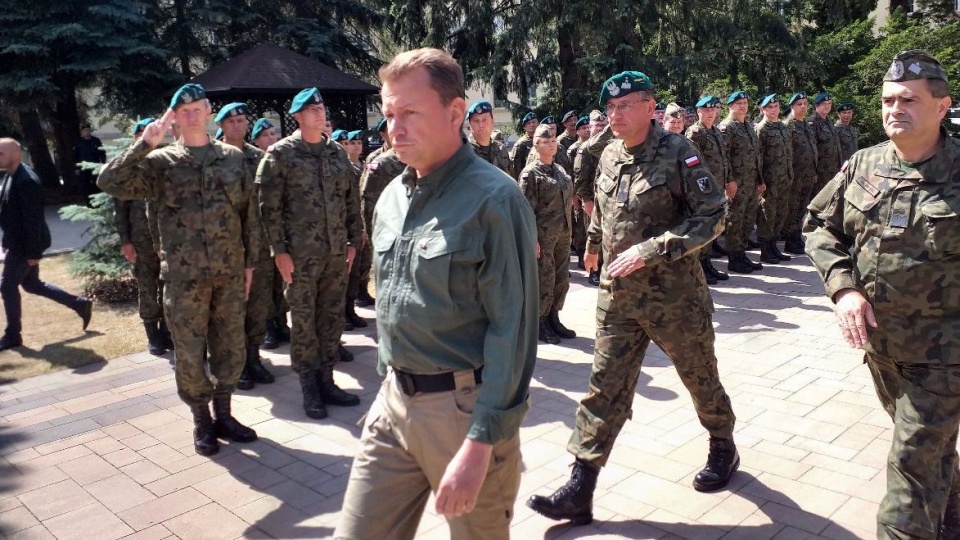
(406, 444)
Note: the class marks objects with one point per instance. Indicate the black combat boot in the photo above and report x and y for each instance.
(272, 338)
(312, 404)
(352, 318)
(580, 262)
(546, 332)
(363, 298)
(711, 270)
(950, 526)
(767, 253)
(245, 382)
(717, 251)
(722, 461)
(204, 435)
(226, 425)
(794, 244)
(331, 394)
(594, 278)
(344, 354)
(574, 500)
(737, 265)
(755, 265)
(155, 344)
(753, 244)
(254, 367)
(558, 328)
(778, 253)
(283, 331)
(165, 335)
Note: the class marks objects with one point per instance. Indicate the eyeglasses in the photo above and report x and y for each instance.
(622, 107)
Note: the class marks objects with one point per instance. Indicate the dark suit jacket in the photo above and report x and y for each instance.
(25, 231)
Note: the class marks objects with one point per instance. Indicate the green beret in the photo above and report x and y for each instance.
(187, 93)
(307, 96)
(568, 115)
(846, 107)
(661, 106)
(544, 130)
(597, 116)
(141, 125)
(339, 135)
(232, 109)
(530, 116)
(622, 84)
(690, 110)
(382, 126)
(708, 102)
(355, 135)
(821, 97)
(915, 65)
(548, 120)
(479, 107)
(772, 98)
(583, 121)
(259, 127)
(795, 98)
(738, 95)
(674, 110)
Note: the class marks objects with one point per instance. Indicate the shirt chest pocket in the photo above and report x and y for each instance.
(862, 201)
(444, 268)
(650, 199)
(230, 185)
(942, 227)
(180, 188)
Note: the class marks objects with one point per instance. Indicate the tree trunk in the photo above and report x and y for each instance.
(65, 118)
(36, 144)
(570, 77)
(183, 39)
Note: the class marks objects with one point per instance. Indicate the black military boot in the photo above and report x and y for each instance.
(580, 262)
(722, 461)
(711, 270)
(753, 244)
(363, 298)
(558, 328)
(767, 253)
(283, 331)
(574, 500)
(344, 354)
(950, 526)
(312, 404)
(272, 338)
(778, 253)
(794, 245)
(717, 251)
(10, 341)
(594, 278)
(85, 311)
(245, 382)
(165, 335)
(352, 318)
(226, 425)
(204, 435)
(755, 265)
(331, 394)
(546, 332)
(258, 373)
(155, 344)
(737, 265)
(710, 278)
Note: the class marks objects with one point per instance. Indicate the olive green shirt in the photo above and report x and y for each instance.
(456, 275)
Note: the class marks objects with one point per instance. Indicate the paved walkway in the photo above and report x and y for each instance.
(106, 451)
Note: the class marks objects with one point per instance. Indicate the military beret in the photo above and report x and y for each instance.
(355, 135)
(548, 120)
(772, 98)
(568, 115)
(738, 95)
(846, 107)
(597, 116)
(821, 97)
(674, 110)
(382, 126)
(624, 83)
(307, 96)
(339, 135)
(795, 98)
(708, 102)
(187, 93)
(689, 109)
(219, 134)
(583, 121)
(530, 116)
(479, 107)
(232, 109)
(914, 65)
(141, 125)
(661, 106)
(544, 130)
(259, 127)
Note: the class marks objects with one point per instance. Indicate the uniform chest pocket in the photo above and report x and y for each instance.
(650, 199)
(232, 188)
(942, 227)
(862, 195)
(444, 268)
(606, 184)
(180, 186)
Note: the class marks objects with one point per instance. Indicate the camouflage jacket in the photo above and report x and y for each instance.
(548, 189)
(308, 200)
(776, 153)
(495, 153)
(565, 140)
(251, 158)
(743, 148)
(891, 230)
(828, 147)
(560, 159)
(378, 172)
(130, 218)
(713, 150)
(804, 148)
(849, 140)
(518, 155)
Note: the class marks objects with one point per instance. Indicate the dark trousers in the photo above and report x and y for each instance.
(16, 273)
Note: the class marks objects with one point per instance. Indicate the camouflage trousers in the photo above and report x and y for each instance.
(741, 215)
(924, 402)
(360, 271)
(279, 307)
(205, 318)
(260, 302)
(316, 298)
(553, 268)
(796, 207)
(149, 284)
(623, 336)
(773, 209)
(579, 222)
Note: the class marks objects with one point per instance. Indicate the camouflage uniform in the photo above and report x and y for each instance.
(776, 171)
(310, 210)
(208, 232)
(565, 141)
(828, 150)
(260, 304)
(130, 218)
(495, 153)
(804, 175)
(360, 270)
(743, 147)
(376, 175)
(578, 223)
(548, 189)
(849, 139)
(890, 231)
(519, 153)
(658, 198)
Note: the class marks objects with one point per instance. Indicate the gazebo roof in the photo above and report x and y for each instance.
(270, 69)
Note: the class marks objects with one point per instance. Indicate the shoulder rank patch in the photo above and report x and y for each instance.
(704, 184)
(692, 161)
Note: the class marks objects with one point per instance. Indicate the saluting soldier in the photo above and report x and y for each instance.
(743, 147)
(480, 120)
(521, 148)
(805, 158)
(849, 138)
(776, 159)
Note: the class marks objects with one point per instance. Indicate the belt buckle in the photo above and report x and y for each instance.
(406, 383)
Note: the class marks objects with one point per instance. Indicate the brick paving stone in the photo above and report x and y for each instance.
(119, 493)
(37, 532)
(55, 499)
(209, 522)
(88, 469)
(91, 521)
(16, 520)
(160, 510)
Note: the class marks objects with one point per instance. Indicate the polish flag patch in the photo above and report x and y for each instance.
(692, 161)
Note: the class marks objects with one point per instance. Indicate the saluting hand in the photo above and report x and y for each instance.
(155, 131)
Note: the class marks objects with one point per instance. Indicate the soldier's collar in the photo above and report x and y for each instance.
(440, 178)
(942, 160)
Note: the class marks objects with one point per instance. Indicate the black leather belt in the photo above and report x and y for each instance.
(412, 383)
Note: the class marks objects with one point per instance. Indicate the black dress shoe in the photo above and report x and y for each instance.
(722, 461)
(85, 311)
(9, 342)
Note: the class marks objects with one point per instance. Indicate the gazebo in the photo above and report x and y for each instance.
(267, 77)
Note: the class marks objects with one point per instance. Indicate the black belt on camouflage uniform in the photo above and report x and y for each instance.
(412, 383)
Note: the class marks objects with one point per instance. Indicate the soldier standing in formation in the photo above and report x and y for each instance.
(776, 160)
(580, 218)
(312, 218)
(743, 148)
(353, 144)
(828, 143)
(569, 135)
(480, 120)
(673, 119)
(659, 112)
(521, 148)
(804, 148)
(885, 237)
(849, 138)
(657, 204)
(549, 190)
(208, 233)
(585, 174)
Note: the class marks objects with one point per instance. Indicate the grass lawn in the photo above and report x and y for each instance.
(52, 338)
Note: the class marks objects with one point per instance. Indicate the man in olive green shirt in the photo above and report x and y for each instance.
(456, 273)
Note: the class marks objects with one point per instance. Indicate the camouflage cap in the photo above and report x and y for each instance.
(846, 107)
(218, 135)
(914, 65)
(737, 96)
(231, 109)
(597, 116)
(259, 127)
(568, 115)
(624, 83)
(480, 107)
(674, 110)
(767, 100)
(356, 135)
(382, 125)
(307, 96)
(141, 125)
(708, 102)
(544, 130)
(661, 106)
(339, 135)
(821, 97)
(583, 121)
(187, 93)
(529, 117)
(548, 120)
(795, 98)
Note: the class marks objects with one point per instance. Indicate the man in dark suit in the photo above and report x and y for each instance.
(25, 237)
